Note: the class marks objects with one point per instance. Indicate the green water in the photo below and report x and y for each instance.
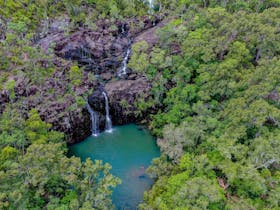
(130, 150)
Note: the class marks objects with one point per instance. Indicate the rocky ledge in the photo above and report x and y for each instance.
(100, 50)
(122, 96)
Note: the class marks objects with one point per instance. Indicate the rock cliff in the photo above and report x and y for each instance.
(99, 52)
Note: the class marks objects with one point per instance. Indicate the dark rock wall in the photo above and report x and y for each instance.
(126, 91)
(101, 52)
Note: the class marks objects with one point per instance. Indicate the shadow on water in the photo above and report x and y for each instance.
(130, 150)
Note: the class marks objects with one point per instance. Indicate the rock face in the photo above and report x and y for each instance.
(100, 51)
(97, 101)
(76, 125)
(4, 98)
(123, 95)
(150, 36)
(71, 120)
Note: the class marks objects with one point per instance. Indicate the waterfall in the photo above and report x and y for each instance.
(151, 4)
(124, 63)
(108, 119)
(94, 120)
(123, 28)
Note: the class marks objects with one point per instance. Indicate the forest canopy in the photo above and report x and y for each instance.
(219, 128)
(214, 74)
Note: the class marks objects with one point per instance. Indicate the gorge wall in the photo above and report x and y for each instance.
(100, 52)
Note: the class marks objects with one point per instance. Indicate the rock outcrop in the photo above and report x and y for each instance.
(100, 51)
(123, 95)
(62, 113)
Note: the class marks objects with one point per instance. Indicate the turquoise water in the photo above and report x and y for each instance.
(130, 150)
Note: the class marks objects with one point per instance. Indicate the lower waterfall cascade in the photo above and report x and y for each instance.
(108, 119)
(94, 120)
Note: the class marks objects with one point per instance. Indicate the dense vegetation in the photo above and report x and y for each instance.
(219, 127)
(215, 73)
(35, 172)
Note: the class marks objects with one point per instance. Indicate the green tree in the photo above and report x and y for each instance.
(76, 75)
(45, 177)
(10, 86)
(139, 59)
(38, 131)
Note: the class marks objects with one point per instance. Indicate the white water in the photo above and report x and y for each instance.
(151, 3)
(108, 119)
(94, 121)
(123, 28)
(124, 63)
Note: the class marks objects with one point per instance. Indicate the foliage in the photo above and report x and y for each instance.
(139, 57)
(45, 178)
(220, 110)
(215, 99)
(10, 86)
(38, 131)
(41, 176)
(26, 15)
(76, 75)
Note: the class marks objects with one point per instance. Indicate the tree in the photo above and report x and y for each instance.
(12, 129)
(177, 140)
(76, 75)
(45, 177)
(10, 86)
(38, 131)
(138, 61)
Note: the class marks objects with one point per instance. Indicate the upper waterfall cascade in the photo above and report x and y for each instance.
(108, 119)
(124, 63)
(151, 3)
